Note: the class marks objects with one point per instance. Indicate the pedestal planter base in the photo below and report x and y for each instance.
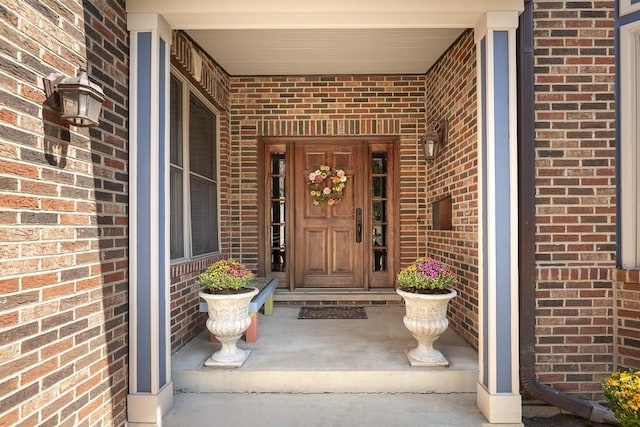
(243, 356)
(435, 359)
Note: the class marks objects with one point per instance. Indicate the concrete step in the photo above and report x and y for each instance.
(328, 356)
(324, 410)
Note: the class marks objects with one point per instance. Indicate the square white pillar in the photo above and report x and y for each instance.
(150, 387)
(498, 388)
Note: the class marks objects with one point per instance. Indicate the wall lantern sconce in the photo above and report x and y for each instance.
(78, 100)
(434, 141)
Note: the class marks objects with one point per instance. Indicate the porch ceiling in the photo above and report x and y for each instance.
(293, 37)
(325, 51)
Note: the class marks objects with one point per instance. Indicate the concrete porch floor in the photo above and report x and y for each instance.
(327, 373)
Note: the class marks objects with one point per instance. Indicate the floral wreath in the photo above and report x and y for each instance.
(326, 185)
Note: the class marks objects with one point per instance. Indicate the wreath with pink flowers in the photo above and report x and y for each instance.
(326, 184)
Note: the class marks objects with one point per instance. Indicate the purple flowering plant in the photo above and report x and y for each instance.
(225, 275)
(426, 276)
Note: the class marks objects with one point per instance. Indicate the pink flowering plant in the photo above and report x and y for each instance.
(426, 276)
(326, 185)
(622, 391)
(225, 275)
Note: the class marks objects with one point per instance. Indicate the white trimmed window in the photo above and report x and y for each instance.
(629, 6)
(194, 226)
(629, 90)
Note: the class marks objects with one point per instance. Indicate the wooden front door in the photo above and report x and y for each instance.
(329, 237)
(351, 245)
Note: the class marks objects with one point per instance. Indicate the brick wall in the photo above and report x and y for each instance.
(451, 94)
(575, 192)
(63, 219)
(626, 332)
(324, 106)
(186, 320)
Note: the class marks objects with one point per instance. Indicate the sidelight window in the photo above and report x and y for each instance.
(278, 211)
(379, 210)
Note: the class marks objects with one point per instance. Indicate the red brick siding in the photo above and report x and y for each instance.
(451, 94)
(575, 193)
(212, 81)
(186, 320)
(627, 319)
(63, 220)
(296, 106)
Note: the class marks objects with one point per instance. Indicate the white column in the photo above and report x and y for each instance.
(498, 386)
(150, 387)
(628, 135)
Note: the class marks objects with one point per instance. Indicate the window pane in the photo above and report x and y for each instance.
(277, 236)
(379, 186)
(175, 121)
(277, 163)
(177, 221)
(380, 235)
(204, 216)
(380, 260)
(278, 250)
(202, 144)
(379, 162)
(277, 211)
(277, 187)
(198, 134)
(379, 211)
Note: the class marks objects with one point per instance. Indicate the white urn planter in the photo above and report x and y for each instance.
(228, 320)
(426, 319)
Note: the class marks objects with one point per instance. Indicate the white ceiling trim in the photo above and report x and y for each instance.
(286, 37)
(328, 6)
(325, 51)
(292, 20)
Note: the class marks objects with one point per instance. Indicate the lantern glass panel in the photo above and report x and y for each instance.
(69, 101)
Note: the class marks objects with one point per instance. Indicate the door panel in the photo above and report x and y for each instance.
(316, 252)
(343, 261)
(325, 234)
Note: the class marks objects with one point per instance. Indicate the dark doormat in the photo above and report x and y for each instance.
(332, 312)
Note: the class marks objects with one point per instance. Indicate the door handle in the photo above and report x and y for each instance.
(358, 225)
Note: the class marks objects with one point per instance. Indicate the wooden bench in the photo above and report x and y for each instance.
(264, 297)
(265, 286)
